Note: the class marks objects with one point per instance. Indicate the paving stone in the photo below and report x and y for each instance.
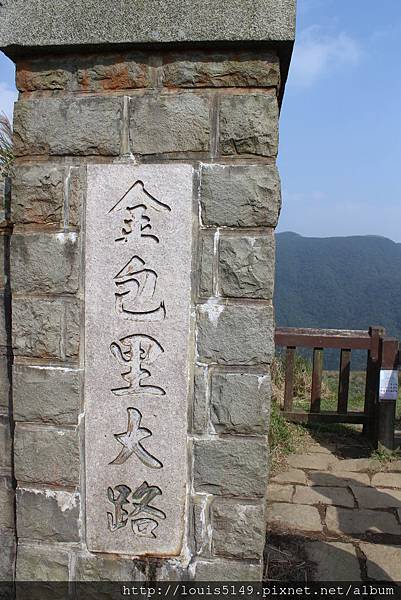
(336, 496)
(340, 479)
(389, 480)
(394, 466)
(238, 530)
(320, 449)
(279, 493)
(38, 563)
(345, 520)
(170, 123)
(240, 196)
(383, 562)
(292, 516)
(358, 465)
(290, 476)
(68, 126)
(335, 561)
(370, 497)
(319, 462)
(248, 124)
(227, 570)
(48, 515)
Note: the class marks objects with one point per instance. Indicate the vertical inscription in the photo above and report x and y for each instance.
(137, 342)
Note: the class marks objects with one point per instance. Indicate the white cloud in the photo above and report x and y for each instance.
(7, 98)
(316, 54)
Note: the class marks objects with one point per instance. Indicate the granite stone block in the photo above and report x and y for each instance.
(170, 123)
(46, 394)
(249, 125)
(47, 515)
(239, 530)
(45, 263)
(227, 467)
(235, 335)
(68, 126)
(240, 196)
(38, 194)
(246, 266)
(213, 69)
(46, 455)
(240, 402)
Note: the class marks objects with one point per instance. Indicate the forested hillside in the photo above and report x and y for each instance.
(339, 282)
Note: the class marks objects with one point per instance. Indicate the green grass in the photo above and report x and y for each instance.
(287, 438)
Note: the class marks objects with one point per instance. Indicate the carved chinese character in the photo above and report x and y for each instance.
(131, 442)
(137, 353)
(137, 206)
(136, 289)
(131, 505)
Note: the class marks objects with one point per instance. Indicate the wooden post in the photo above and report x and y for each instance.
(289, 378)
(372, 384)
(343, 381)
(388, 392)
(316, 380)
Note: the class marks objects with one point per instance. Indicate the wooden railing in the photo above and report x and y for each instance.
(382, 353)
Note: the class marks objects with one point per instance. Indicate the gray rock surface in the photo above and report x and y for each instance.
(206, 257)
(44, 455)
(48, 515)
(45, 263)
(335, 561)
(38, 194)
(171, 123)
(239, 530)
(42, 564)
(68, 126)
(240, 196)
(205, 69)
(249, 124)
(46, 394)
(227, 570)
(246, 266)
(227, 467)
(236, 335)
(92, 567)
(240, 402)
(94, 21)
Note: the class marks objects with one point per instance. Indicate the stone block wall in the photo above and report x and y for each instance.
(7, 485)
(219, 112)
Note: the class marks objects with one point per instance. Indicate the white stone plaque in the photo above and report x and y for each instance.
(138, 340)
(388, 388)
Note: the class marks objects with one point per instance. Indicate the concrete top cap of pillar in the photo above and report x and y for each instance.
(46, 24)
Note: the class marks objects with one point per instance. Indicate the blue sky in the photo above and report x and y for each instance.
(340, 130)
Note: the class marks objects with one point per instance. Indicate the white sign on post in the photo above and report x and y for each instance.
(388, 389)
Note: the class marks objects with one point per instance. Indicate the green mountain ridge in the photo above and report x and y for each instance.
(338, 282)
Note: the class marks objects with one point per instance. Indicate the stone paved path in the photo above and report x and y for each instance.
(335, 518)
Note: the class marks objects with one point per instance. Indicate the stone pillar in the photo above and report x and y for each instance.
(176, 116)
